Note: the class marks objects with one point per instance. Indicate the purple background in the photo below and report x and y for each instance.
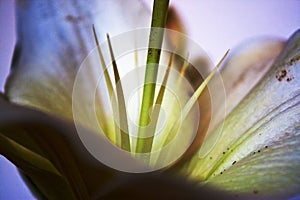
(215, 25)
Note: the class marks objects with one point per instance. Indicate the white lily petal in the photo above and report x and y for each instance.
(268, 116)
(269, 163)
(246, 66)
(53, 39)
(243, 69)
(85, 176)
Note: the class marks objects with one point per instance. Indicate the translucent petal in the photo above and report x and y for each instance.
(258, 152)
(243, 69)
(60, 144)
(54, 38)
(246, 66)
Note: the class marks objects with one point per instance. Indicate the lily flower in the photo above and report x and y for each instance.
(65, 121)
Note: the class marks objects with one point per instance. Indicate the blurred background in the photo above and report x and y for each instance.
(216, 25)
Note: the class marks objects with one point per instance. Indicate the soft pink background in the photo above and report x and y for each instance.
(214, 25)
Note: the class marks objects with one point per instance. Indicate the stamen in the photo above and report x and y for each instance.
(125, 141)
(163, 86)
(185, 65)
(104, 68)
(110, 91)
(197, 93)
(187, 108)
(158, 102)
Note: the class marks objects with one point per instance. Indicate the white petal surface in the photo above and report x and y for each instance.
(265, 122)
(246, 66)
(243, 69)
(53, 39)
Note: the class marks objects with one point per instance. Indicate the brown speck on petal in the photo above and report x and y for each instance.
(70, 18)
(290, 78)
(281, 75)
(293, 61)
(74, 19)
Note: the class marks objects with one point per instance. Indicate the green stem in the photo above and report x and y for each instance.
(159, 99)
(159, 16)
